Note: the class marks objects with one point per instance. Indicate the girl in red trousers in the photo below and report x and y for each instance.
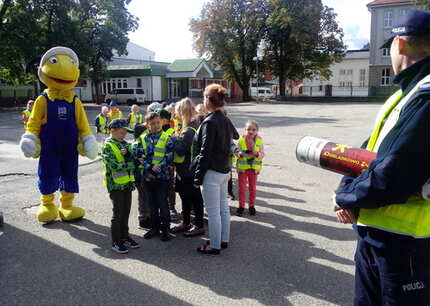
(250, 156)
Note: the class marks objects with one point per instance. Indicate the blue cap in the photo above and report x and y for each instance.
(414, 23)
(112, 103)
(119, 124)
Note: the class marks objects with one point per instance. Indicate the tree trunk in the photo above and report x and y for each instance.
(97, 90)
(246, 95)
(282, 85)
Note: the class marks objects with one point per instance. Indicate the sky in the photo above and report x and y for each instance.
(164, 25)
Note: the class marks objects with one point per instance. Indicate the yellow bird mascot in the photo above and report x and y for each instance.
(57, 128)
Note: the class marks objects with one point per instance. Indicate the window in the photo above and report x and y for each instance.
(362, 77)
(320, 88)
(104, 87)
(139, 83)
(342, 71)
(385, 77)
(349, 84)
(124, 84)
(140, 91)
(388, 19)
(261, 91)
(341, 84)
(125, 91)
(349, 72)
(108, 87)
(386, 52)
(119, 84)
(113, 84)
(403, 12)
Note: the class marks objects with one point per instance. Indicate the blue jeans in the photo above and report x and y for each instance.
(214, 191)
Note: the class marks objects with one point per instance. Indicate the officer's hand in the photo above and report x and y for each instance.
(345, 216)
(156, 168)
(123, 151)
(141, 160)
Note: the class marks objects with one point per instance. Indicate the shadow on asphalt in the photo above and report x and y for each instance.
(263, 263)
(37, 272)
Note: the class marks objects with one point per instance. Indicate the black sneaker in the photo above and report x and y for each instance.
(252, 211)
(151, 234)
(130, 243)
(194, 231)
(145, 224)
(165, 236)
(239, 211)
(119, 248)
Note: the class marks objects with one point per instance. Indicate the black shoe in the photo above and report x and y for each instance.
(252, 211)
(145, 224)
(232, 197)
(119, 248)
(239, 211)
(151, 234)
(130, 243)
(165, 236)
(194, 231)
(204, 250)
(224, 245)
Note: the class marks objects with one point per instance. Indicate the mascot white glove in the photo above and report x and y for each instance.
(425, 190)
(28, 144)
(91, 146)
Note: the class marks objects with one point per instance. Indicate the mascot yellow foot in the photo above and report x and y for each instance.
(48, 212)
(68, 212)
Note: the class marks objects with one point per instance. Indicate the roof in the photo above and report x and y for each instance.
(152, 69)
(185, 65)
(382, 2)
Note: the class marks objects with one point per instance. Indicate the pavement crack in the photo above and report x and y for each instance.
(30, 206)
(15, 174)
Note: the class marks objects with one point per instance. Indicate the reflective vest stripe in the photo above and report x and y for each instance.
(413, 217)
(250, 163)
(178, 159)
(103, 124)
(120, 177)
(160, 147)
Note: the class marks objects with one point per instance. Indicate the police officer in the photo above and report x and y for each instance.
(386, 204)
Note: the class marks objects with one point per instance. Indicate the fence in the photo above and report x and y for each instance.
(10, 96)
(335, 91)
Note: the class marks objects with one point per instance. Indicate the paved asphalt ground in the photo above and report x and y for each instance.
(292, 253)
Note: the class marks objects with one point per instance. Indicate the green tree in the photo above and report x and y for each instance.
(93, 28)
(231, 31)
(302, 40)
(424, 4)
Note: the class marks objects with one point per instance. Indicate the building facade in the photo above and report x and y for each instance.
(385, 14)
(350, 77)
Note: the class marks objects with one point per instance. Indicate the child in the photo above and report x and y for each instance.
(250, 155)
(102, 123)
(135, 117)
(114, 112)
(119, 179)
(156, 148)
(165, 117)
(26, 113)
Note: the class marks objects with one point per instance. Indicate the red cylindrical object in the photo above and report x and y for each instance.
(333, 157)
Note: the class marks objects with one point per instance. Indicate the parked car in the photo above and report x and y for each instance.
(262, 92)
(126, 95)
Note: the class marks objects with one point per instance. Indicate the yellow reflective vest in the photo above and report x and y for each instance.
(120, 177)
(413, 217)
(103, 124)
(160, 147)
(177, 159)
(27, 114)
(135, 119)
(245, 163)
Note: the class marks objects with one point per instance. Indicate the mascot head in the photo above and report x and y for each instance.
(59, 68)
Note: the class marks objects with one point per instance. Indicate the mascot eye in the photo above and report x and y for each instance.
(53, 59)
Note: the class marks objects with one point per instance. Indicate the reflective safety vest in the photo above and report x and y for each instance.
(120, 177)
(177, 159)
(103, 124)
(135, 119)
(27, 114)
(413, 217)
(170, 132)
(245, 163)
(160, 147)
(113, 115)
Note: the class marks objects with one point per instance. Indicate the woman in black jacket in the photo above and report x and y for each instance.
(191, 196)
(211, 165)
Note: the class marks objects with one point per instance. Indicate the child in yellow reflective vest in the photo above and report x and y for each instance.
(135, 117)
(25, 115)
(250, 157)
(119, 161)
